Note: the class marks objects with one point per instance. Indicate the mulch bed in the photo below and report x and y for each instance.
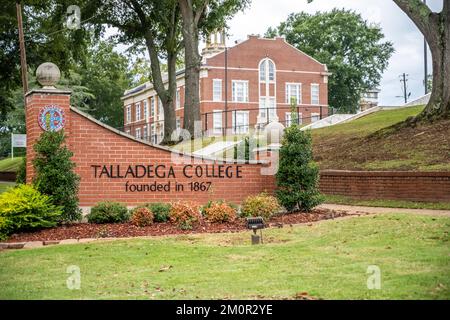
(125, 230)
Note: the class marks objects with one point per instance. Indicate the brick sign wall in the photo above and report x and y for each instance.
(414, 186)
(114, 166)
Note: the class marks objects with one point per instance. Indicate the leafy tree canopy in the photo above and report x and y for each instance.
(353, 50)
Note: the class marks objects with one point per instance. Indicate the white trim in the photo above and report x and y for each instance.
(299, 98)
(246, 92)
(137, 107)
(220, 99)
(128, 114)
(318, 93)
(219, 130)
(314, 114)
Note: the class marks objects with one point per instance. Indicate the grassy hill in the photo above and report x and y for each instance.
(349, 146)
(10, 165)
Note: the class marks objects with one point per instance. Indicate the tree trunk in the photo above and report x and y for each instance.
(168, 103)
(166, 96)
(436, 29)
(192, 69)
(439, 105)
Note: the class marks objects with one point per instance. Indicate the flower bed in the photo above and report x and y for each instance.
(123, 230)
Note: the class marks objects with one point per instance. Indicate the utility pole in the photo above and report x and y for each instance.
(23, 56)
(403, 78)
(425, 60)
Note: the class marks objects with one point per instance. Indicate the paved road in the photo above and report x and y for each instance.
(359, 209)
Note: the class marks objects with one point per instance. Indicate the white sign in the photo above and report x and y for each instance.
(19, 140)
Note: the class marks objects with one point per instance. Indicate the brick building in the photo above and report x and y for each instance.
(263, 77)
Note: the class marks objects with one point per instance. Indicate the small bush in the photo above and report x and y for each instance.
(185, 214)
(55, 175)
(261, 205)
(24, 208)
(298, 175)
(161, 211)
(142, 217)
(108, 212)
(219, 212)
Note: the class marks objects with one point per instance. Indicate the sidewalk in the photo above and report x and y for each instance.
(362, 209)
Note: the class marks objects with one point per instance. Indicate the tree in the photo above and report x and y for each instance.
(46, 39)
(436, 29)
(351, 48)
(200, 17)
(154, 24)
(297, 176)
(105, 73)
(55, 175)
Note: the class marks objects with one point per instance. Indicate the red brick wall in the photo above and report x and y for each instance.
(94, 144)
(35, 100)
(414, 186)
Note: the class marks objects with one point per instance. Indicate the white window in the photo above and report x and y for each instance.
(138, 111)
(127, 131)
(145, 133)
(128, 114)
(315, 117)
(240, 122)
(160, 109)
(266, 71)
(293, 91)
(240, 91)
(145, 110)
(153, 133)
(138, 133)
(217, 122)
(178, 123)
(217, 90)
(315, 93)
(288, 118)
(152, 106)
(178, 99)
(267, 104)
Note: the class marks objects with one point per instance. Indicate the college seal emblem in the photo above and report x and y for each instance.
(51, 118)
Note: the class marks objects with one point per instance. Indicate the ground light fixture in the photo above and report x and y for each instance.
(255, 224)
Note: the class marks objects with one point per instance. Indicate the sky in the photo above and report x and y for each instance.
(396, 26)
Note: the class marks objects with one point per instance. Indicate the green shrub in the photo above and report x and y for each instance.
(261, 205)
(24, 208)
(219, 211)
(54, 173)
(185, 214)
(21, 174)
(108, 212)
(161, 211)
(141, 217)
(298, 175)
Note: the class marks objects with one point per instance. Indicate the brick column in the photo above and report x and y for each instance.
(36, 100)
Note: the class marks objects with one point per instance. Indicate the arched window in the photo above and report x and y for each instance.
(266, 70)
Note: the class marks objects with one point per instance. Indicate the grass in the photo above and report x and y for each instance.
(5, 186)
(337, 199)
(328, 260)
(10, 165)
(351, 146)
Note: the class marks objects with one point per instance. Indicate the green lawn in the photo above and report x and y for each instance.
(387, 203)
(5, 185)
(350, 146)
(328, 260)
(10, 165)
